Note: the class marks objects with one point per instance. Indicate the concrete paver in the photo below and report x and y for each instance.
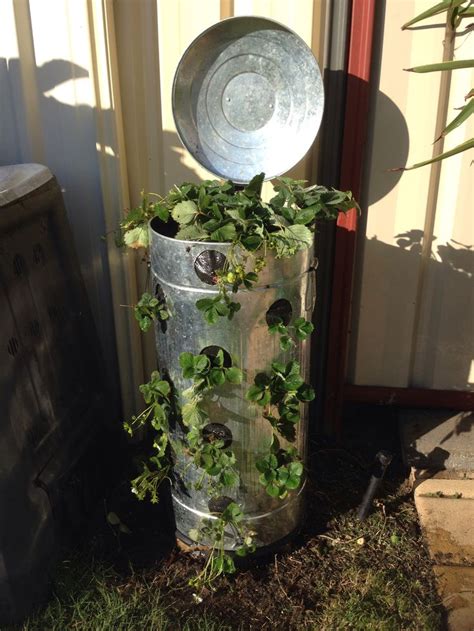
(446, 511)
(456, 588)
(437, 439)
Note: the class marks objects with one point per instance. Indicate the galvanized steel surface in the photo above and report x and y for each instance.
(248, 97)
(251, 347)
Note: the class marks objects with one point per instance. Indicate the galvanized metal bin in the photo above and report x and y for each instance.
(251, 347)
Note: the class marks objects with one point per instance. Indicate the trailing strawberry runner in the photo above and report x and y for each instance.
(233, 289)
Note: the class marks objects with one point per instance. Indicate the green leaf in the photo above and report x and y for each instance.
(221, 308)
(300, 233)
(251, 242)
(144, 322)
(254, 187)
(293, 482)
(184, 212)
(463, 115)
(226, 233)
(254, 393)
(228, 565)
(303, 328)
(161, 212)
(201, 363)
(273, 489)
(295, 468)
(233, 308)
(163, 388)
(113, 519)
(286, 343)
(443, 65)
(272, 461)
(186, 360)
(192, 232)
(211, 315)
(293, 382)
(436, 9)
(218, 360)
(205, 303)
(137, 238)
(306, 393)
(469, 144)
(159, 416)
(228, 478)
(306, 215)
(217, 377)
(193, 415)
(234, 375)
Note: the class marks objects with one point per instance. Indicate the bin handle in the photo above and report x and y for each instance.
(310, 297)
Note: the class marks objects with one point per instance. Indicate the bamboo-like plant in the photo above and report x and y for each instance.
(456, 11)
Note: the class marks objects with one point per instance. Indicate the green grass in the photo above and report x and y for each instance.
(339, 574)
(91, 596)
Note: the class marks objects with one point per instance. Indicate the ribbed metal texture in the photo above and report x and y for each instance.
(251, 347)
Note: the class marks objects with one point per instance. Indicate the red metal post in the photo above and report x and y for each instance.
(354, 141)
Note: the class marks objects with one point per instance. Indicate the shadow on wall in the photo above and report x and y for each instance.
(445, 345)
(68, 135)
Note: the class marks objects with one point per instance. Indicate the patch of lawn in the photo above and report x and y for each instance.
(338, 573)
(91, 596)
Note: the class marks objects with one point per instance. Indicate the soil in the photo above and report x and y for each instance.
(337, 572)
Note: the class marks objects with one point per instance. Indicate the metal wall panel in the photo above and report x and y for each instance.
(85, 88)
(413, 310)
(46, 79)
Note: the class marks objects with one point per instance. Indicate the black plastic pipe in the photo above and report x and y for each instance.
(382, 460)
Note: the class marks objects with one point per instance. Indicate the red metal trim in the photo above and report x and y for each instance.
(354, 139)
(410, 397)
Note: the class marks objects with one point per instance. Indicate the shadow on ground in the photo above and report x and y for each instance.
(338, 572)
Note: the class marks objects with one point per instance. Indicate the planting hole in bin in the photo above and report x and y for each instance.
(207, 264)
(160, 294)
(211, 352)
(280, 311)
(219, 504)
(217, 431)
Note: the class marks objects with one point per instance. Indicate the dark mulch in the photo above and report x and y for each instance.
(337, 573)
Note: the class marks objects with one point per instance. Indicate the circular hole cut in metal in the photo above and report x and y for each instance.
(217, 431)
(219, 504)
(207, 264)
(280, 311)
(211, 352)
(13, 346)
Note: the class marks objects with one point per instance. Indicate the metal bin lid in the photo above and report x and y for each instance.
(248, 97)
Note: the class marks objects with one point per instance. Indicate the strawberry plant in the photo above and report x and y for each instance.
(222, 212)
